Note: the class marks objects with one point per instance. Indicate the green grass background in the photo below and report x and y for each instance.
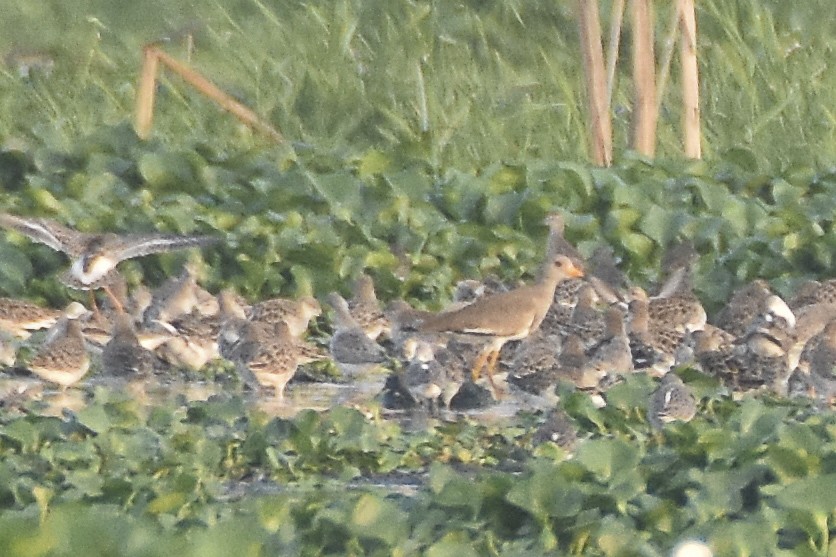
(500, 80)
(428, 140)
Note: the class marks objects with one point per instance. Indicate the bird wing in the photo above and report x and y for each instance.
(137, 246)
(43, 231)
(506, 314)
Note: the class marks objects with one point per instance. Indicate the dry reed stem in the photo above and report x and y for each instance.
(690, 81)
(599, 122)
(644, 79)
(667, 55)
(616, 19)
(144, 110)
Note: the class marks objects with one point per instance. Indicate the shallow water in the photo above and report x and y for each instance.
(361, 392)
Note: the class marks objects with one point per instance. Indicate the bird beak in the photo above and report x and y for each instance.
(574, 271)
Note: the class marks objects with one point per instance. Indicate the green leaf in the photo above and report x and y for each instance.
(546, 494)
(608, 458)
(815, 494)
(15, 269)
(377, 518)
(94, 417)
(166, 171)
(452, 544)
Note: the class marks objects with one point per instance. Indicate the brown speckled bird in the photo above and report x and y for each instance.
(270, 353)
(671, 401)
(63, 357)
(365, 309)
(745, 304)
(297, 314)
(123, 355)
(351, 348)
(19, 317)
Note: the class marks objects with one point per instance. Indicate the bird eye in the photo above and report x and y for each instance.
(558, 263)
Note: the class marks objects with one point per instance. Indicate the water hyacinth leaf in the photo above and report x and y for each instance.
(788, 463)
(454, 490)
(504, 178)
(343, 191)
(716, 494)
(814, 494)
(167, 171)
(617, 537)
(639, 245)
(374, 517)
(15, 269)
(608, 458)
(85, 483)
(621, 220)
(759, 421)
(411, 183)
(546, 494)
(503, 208)
(461, 196)
(453, 544)
(94, 417)
(631, 394)
(352, 430)
(753, 535)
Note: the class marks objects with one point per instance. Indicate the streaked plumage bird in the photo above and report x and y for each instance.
(351, 348)
(194, 341)
(671, 401)
(611, 356)
(123, 355)
(653, 344)
(745, 304)
(677, 266)
(535, 366)
(761, 358)
(810, 320)
(676, 306)
(63, 357)
(681, 313)
(814, 292)
(605, 276)
(435, 373)
(233, 321)
(19, 317)
(95, 256)
(404, 320)
(711, 353)
(271, 354)
(586, 320)
(297, 314)
(557, 428)
(822, 364)
(174, 298)
(365, 308)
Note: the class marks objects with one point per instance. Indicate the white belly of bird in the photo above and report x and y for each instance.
(61, 376)
(100, 266)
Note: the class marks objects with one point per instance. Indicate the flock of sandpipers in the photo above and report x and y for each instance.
(579, 323)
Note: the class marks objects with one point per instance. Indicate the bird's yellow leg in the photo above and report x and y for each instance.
(93, 305)
(493, 358)
(478, 364)
(117, 305)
